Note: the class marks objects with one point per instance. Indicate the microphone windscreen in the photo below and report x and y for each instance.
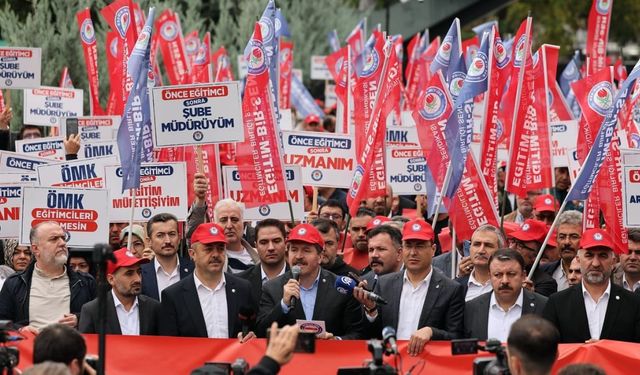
(345, 285)
(388, 332)
(295, 271)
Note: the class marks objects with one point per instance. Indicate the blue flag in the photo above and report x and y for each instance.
(571, 73)
(581, 187)
(459, 129)
(484, 28)
(334, 41)
(282, 26)
(135, 143)
(302, 100)
(449, 52)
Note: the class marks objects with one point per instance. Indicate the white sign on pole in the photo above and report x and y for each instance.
(233, 189)
(10, 209)
(197, 114)
(630, 156)
(564, 135)
(20, 67)
(158, 192)
(75, 173)
(13, 162)
(48, 148)
(98, 149)
(319, 68)
(92, 128)
(26, 177)
(406, 168)
(45, 105)
(574, 164)
(286, 119)
(81, 212)
(326, 159)
(631, 195)
(402, 136)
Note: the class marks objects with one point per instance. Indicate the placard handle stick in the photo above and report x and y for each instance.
(314, 202)
(199, 161)
(133, 207)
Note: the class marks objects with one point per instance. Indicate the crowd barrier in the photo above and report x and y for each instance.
(176, 355)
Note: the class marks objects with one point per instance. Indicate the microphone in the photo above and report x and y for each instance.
(246, 315)
(295, 271)
(389, 338)
(345, 285)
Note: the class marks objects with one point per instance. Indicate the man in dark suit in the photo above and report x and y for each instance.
(329, 258)
(568, 233)
(166, 268)
(491, 315)
(270, 235)
(423, 304)
(208, 302)
(596, 309)
(316, 297)
(128, 312)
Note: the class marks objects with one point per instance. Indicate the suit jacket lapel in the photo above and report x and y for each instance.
(528, 303)
(581, 321)
(482, 316)
(321, 297)
(192, 304)
(432, 296)
(611, 315)
(395, 289)
(144, 322)
(150, 275)
(113, 324)
(232, 305)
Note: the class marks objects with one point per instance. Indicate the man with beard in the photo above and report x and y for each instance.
(491, 315)
(385, 253)
(329, 258)
(128, 312)
(524, 208)
(628, 275)
(206, 303)
(484, 242)
(114, 234)
(568, 242)
(47, 291)
(597, 309)
(240, 255)
(388, 204)
(358, 255)
(167, 268)
(270, 236)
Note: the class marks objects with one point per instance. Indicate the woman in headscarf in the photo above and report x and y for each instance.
(17, 257)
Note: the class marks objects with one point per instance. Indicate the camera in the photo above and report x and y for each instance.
(483, 366)
(9, 356)
(306, 342)
(376, 366)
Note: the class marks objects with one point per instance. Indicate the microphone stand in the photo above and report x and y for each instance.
(101, 254)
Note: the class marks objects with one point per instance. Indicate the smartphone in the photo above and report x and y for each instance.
(306, 342)
(72, 126)
(464, 346)
(466, 248)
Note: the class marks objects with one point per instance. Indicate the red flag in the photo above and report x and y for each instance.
(610, 193)
(412, 52)
(422, 74)
(171, 45)
(90, 51)
(222, 65)
(286, 70)
(620, 71)
(114, 51)
(598, 34)
(338, 64)
(138, 16)
(65, 79)
(202, 68)
(191, 45)
(259, 161)
(558, 107)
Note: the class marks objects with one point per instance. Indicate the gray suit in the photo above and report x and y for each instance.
(443, 263)
(476, 312)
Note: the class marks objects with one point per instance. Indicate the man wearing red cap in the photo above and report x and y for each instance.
(312, 123)
(313, 297)
(358, 255)
(128, 312)
(545, 208)
(424, 304)
(568, 234)
(524, 208)
(596, 309)
(208, 302)
(528, 241)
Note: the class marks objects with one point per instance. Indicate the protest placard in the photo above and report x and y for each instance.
(564, 135)
(92, 128)
(12, 162)
(45, 105)
(48, 148)
(631, 195)
(319, 68)
(326, 159)
(81, 212)
(96, 149)
(197, 114)
(286, 119)
(330, 98)
(27, 177)
(20, 67)
(86, 173)
(158, 192)
(10, 209)
(402, 136)
(574, 164)
(280, 211)
(406, 171)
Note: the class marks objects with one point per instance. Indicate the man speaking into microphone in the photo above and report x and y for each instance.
(310, 297)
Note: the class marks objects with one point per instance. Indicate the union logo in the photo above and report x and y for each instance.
(357, 179)
(455, 86)
(500, 54)
(434, 104)
(371, 64)
(416, 227)
(266, 29)
(603, 6)
(191, 45)
(302, 231)
(214, 231)
(123, 20)
(478, 70)
(87, 33)
(600, 98)
(444, 52)
(597, 236)
(519, 56)
(264, 210)
(169, 31)
(256, 61)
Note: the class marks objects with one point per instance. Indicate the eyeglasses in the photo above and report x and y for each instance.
(521, 246)
(331, 216)
(571, 237)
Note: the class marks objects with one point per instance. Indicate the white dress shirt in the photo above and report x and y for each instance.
(411, 303)
(213, 303)
(476, 288)
(263, 276)
(500, 321)
(129, 320)
(596, 310)
(164, 279)
(631, 288)
(560, 278)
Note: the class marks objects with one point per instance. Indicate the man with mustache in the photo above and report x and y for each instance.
(628, 275)
(207, 302)
(596, 309)
(484, 242)
(47, 291)
(385, 250)
(491, 315)
(568, 242)
(358, 255)
(330, 260)
(240, 255)
(167, 268)
(128, 312)
(524, 208)
(574, 276)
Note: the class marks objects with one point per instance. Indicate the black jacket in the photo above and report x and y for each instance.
(254, 276)
(150, 280)
(340, 268)
(14, 297)
(148, 311)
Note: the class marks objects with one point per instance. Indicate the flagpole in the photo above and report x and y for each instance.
(133, 207)
(546, 240)
(347, 107)
(454, 253)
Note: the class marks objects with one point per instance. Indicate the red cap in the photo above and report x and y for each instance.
(552, 240)
(306, 233)
(312, 118)
(308, 190)
(531, 230)
(417, 229)
(545, 203)
(510, 227)
(377, 221)
(124, 258)
(596, 238)
(207, 233)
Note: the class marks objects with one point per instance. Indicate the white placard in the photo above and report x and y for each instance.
(630, 156)
(574, 164)
(26, 177)
(319, 68)
(48, 148)
(326, 159)
(10, 210)
(162, 189)
(564, 135)
(13, 162)
(406, 170)
(242, 66)
(286, 119)
(631, 195)
(197, 114)
(85, 173)
(402, 136)
(233, 189)
(330, 98)
(81, 212)
(98, 149)
(93, 128)
(45, 105)
(20, 67)
(407, 118)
